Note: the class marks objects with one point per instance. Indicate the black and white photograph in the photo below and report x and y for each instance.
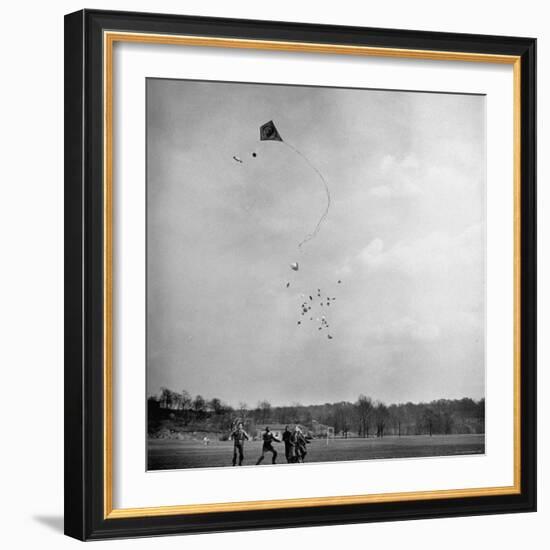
(315, 274)
(269, 268)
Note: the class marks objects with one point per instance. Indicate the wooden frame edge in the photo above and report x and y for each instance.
(111, 37)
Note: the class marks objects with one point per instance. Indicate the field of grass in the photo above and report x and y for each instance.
(167, 454)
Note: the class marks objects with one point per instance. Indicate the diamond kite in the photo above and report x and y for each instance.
(268, 132)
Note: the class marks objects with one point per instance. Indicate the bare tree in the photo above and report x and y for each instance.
(216, 405)
(342, 418)
(199, 406)
(381, 417)
(186, 404)
(364, 408)
(428, 420)
(264, 408)
(442, 416)
(395, 416)
(176, 400)
(165, 398)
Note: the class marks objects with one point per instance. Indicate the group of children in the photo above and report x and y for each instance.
(295, 442)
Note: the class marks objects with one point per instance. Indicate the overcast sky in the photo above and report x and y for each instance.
(405, 234)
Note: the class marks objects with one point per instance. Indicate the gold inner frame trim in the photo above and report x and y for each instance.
(109, 39)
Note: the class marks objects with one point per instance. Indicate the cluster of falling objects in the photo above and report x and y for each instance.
(312, 300)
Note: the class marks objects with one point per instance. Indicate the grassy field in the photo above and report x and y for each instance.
(166, 454)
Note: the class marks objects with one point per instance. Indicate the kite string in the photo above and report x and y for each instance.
(310, 236)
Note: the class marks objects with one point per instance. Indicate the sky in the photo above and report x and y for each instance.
(405, 234)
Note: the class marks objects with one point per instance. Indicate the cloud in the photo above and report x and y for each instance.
(400, 178)
(405, 330)
(372, 251)
(397, 190)
(438, 251)
(390, 164)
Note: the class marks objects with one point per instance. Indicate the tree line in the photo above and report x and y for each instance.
(364, 417)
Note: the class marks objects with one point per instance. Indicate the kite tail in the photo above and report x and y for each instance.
(310, 236)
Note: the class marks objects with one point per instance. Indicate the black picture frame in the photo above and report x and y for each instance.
(85, 517)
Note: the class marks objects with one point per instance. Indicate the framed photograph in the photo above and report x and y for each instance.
(300, 274)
